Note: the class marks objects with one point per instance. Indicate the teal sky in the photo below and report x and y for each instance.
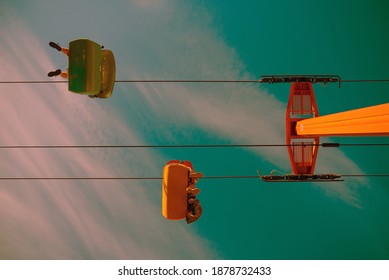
(242, 219)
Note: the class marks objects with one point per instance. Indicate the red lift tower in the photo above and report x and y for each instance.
(304, 126)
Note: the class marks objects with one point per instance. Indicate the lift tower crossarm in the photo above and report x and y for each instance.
(300, 79)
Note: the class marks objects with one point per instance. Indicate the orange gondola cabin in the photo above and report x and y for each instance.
(179, 179)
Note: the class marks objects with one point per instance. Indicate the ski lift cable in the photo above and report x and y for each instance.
(325, 145)
(160, 178)
(185, 81)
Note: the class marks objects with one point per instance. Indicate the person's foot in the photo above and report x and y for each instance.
(55, 46)
(54, 73)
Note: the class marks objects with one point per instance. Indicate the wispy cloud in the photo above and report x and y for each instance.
(75, 219)
(240, 113)
(111, 219)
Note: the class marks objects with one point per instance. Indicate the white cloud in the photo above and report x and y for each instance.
(241, 113)
(75, 219)
(51, 219)
(250, 117)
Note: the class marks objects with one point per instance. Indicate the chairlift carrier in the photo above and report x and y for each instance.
(92, 70)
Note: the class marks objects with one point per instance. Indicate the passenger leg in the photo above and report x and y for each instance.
(65, 75)
(192, 190)
(65, 51)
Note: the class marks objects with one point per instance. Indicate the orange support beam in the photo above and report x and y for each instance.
(373, 121)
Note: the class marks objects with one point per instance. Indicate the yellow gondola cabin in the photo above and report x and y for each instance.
(179, 179)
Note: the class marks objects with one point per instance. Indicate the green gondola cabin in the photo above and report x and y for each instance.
(91, 69)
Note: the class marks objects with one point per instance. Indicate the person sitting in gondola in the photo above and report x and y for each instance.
(59, 72)
(194, 209)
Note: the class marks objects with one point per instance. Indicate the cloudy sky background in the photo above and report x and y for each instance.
(243, 219)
